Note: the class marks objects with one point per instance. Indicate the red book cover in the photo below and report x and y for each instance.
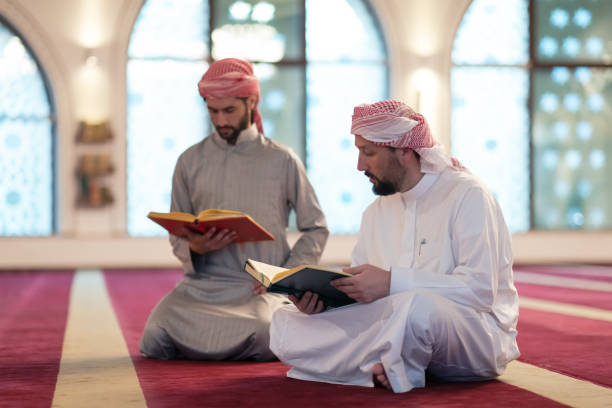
(247, 228)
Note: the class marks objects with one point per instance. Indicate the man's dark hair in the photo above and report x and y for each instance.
(244, 100)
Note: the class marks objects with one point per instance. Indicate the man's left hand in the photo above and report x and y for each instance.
(258, 288)
(367, 284)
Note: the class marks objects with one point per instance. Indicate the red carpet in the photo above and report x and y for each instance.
(221, 384)
(591, 298)
(598, 273)
(570, 345)
(33, 312)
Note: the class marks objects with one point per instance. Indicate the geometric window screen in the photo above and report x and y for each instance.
(26, 142)
(569, 86)
(306, 70)
(572, 107)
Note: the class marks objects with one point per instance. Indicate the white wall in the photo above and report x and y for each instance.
(419, 34)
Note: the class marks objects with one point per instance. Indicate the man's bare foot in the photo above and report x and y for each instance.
(380, 377)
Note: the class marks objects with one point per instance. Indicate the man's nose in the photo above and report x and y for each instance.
(220, 120)
(361, 165)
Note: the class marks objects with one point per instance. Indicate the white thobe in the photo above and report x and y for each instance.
(452, 309)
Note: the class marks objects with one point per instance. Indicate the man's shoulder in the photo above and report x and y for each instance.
(383, 204)
(461, 180)
(461, 185)
(195, 150)
(278, 149)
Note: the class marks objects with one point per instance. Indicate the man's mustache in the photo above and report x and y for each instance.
(368, 174)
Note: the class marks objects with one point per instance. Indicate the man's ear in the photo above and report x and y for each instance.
(252, 101)
(405, 156)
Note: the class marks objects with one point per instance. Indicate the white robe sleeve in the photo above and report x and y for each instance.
(477, 247)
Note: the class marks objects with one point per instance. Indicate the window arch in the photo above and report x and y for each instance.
(27, 129)
(307, 74)
(532, 90)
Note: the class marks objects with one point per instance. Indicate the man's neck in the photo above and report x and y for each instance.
(250, 133)
(412, 176)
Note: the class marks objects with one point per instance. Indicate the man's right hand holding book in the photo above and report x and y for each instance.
(211, 240)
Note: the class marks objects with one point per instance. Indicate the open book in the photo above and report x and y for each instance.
(246, 227)
(298, 280)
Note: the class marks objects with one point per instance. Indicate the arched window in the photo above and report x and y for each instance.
(532, 101)
(26, 142)
(311, 75)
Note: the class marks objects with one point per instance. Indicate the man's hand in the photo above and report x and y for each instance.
(258, 288)
(211, 240)
(308, 303)
(367, 284)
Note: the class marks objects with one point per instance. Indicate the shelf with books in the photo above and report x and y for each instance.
(94, 165)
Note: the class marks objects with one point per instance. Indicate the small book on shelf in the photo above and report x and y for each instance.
(299, 280)
(245, 226)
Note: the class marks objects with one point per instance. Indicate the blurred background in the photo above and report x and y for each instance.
(99, 97)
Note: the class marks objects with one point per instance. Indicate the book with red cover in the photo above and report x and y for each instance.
(246, 227)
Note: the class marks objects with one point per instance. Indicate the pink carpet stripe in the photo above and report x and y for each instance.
(597, 273)
(33, 312)
(248, 384)
(591, 298)
(569, 345)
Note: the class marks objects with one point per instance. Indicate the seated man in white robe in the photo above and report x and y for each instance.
(432, 272)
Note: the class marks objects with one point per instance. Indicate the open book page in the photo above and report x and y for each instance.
(268, 271)
(287, 272)
(213, 213)
(174, 215)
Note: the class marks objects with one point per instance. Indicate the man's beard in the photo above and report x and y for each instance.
(381, 187)
(233, 137)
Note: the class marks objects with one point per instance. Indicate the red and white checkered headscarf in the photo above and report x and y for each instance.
(231, 78)
(393, 123)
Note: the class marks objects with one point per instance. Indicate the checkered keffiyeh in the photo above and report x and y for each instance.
(393, 123)
(231, 78)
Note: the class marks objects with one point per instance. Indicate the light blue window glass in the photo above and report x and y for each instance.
(26, 142)
(490, 128)
(493, 32)
(490, 89)
(306, 69)
(165, 111)
(337, 61)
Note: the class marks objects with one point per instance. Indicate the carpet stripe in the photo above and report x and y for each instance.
(570, 345)
(589, 298)
(33, 311)
(566, 309)
(95, 370)
(603, 273)
(540, 279)
(558, 387)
